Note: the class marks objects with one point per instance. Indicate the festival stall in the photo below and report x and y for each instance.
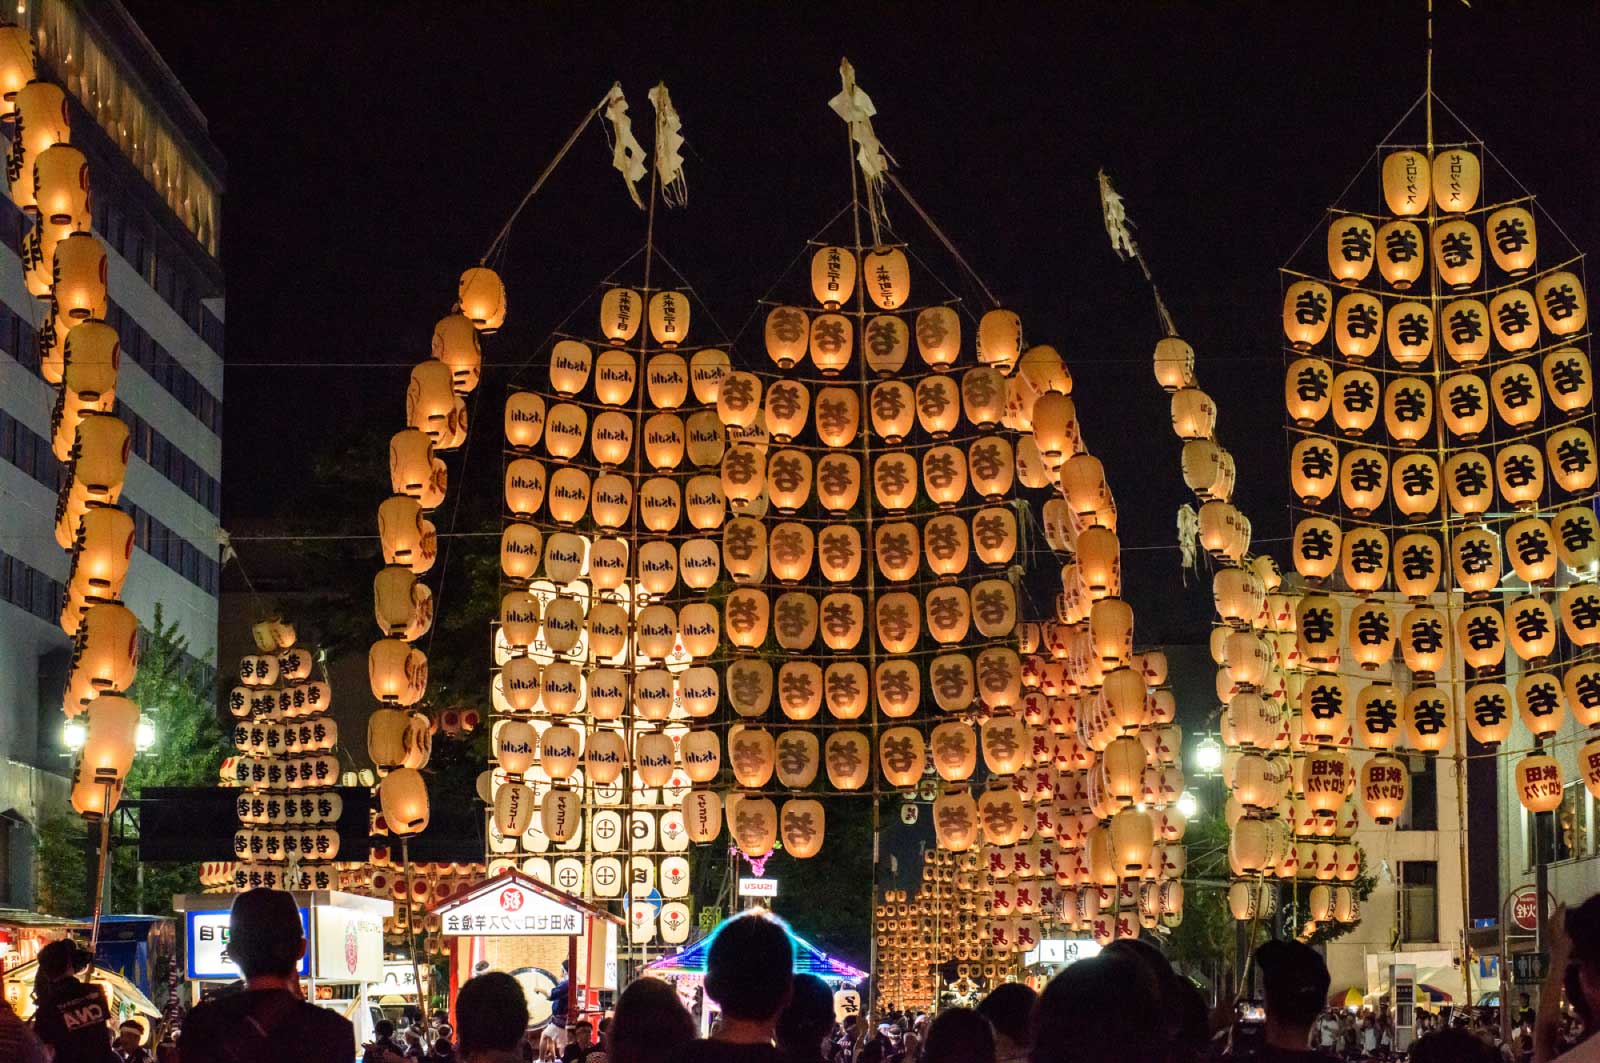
(344, 947)
(686, 970)
(526, 928)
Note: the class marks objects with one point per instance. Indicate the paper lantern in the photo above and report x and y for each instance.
(887, 344)
(1577, 535)
(403, 797)
(615, 376)
(1480, 633)
(514, 808)
(1363, 559)
(886, 277)
(1464, 405)
(1540, 703)
(1457, 253)
(787, 405)
(1194, 415)
(1357, 325)
(1350, 248)
(1519, 475)
(955, 821)
(1488, 712)
(1513, 319)
(1363, 480)
(795, 620)
(1249, 901)
(106, 651)
(1468, 478)
(669, 318)
(1316, 548)
(1313, 465)
(1132, 839)
(1400, 254)
(1408, 331)
(1465, 324)
(1580, 613)
(1111, 624)
(1589, 765)
(1457, 178)
(1307, 387)
(16, 65)
(560, 815)
(1305, 313)
(1378, 716)
(1001, 814)
(1415, 479)
(1568, 380)
(620, 313)
(41, 121)
(653, 757)
(802, 825)
(901, 752)
(1406, 180)
(847, 758)
(482, 298)
(1530, 547)
(455, 344)
(653, 694)
(1427, 718)
(1385, 786)
(753, 824)
(1424, 639)
(1571, 454)
(1174, 364)
(705, 503)
(1513, 239)
(1000, 339)
(1538, 782)
(1408, 410)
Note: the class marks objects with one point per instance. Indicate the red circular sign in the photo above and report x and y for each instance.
(510, 899)
(1525, 909)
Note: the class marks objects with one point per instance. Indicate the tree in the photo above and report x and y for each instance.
(179, 699)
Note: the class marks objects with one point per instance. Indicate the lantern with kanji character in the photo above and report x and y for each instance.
(1377, 716)
(1306, 306)
(1538, 782)
(1194, 414)
(1350, 248)
(1531, 624)
(669, 318)
(1384, 787)
(1400, 253)
(1428, 719)
(1488, 712)
(1457, 253)
(1307, 389)
(1406, 180)
(1363, 480)
(1541, 703)
(1513, 239)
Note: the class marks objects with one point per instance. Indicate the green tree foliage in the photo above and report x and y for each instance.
(179, 699)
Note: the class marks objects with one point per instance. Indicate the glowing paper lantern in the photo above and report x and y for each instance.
(1538, 782)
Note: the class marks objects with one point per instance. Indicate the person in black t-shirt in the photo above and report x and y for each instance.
(749, 973)
(804, 1026)
(73, 1018)
(1294, 980)
(268, 1020)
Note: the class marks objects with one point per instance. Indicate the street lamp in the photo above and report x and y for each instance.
(74, 734)
(144, 736)
(1188, 804)
(1208, 756)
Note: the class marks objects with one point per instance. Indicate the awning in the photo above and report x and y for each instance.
(808, 959)
(1346, 998)
(122, 994)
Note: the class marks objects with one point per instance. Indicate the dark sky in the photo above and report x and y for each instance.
(374, 150)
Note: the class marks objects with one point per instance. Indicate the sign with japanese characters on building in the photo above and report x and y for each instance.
(510, 910)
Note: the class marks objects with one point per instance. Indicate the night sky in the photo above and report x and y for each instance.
(374, 150)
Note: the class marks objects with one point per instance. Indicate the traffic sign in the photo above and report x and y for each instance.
(1525, 909)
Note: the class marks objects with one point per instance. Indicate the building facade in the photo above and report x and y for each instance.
(156, 183)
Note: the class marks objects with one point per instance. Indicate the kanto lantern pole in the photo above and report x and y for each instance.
(1453, 658)
(411, 931)
(872, 583)
(100, 874)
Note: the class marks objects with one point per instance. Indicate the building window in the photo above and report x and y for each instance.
(1564, 834)
(1422, 811)
(1419, 901)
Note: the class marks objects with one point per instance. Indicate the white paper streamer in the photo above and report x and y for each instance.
(669, 141)
(626, 153)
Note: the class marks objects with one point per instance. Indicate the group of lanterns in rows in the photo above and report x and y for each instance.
(65, 267)
(596, 656)
(286, 769)
(1081, 820)
(1290, 811)
(436, 422)
(1515, 351)
(942, 921)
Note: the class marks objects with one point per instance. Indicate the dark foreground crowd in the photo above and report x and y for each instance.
(1126, 1005)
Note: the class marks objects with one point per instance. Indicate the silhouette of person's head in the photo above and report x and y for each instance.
(491, 1013)
(749, 966)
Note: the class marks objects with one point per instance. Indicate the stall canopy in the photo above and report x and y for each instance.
(808, 959)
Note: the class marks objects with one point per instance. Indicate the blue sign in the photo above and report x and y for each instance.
(206, 935)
